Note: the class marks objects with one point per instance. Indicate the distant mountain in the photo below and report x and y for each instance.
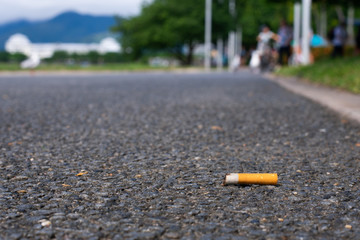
(65, 27)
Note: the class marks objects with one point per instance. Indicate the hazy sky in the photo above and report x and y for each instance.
(43, 9)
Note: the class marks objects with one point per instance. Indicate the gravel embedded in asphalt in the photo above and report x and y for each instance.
(143, 156)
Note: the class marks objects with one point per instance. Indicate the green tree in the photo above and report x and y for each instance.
(75, 57)
(253, 14)
(164, 24)
(59, 56)
(222, 21)
(4, 56)
(93, 57)
(170, 25)
(79, 57)
(17, 57)
(113, 57)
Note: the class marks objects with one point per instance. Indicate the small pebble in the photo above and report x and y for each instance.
(45, 222)
(347, 226)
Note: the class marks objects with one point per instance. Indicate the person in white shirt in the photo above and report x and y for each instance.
(264, 49)
(264, 38)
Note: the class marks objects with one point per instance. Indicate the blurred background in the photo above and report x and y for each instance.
(136, 34)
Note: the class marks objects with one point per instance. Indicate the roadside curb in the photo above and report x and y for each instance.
(344, 103)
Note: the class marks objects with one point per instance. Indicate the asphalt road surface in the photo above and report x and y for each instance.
(143, 156)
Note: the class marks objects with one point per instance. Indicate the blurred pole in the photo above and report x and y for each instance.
(235, 43)
(239, 42)
(350, 26)
(220, 53)
(306, 18)
(232, 35)
(231, 48)
(208, 20)
(297, 24)
(232, 7)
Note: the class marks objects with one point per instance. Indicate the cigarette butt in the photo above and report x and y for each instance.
(251, 178)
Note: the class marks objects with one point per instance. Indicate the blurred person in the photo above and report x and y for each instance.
(264, 48)
(339, 35)
(264, 39)
(285, 37)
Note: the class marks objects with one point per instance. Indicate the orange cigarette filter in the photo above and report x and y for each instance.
(251, 178)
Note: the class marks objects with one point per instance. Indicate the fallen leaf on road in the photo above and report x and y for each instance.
(65, 185)
(138, 176)
(21, 191)
(358, 144)
(217, 128)
(82, 172)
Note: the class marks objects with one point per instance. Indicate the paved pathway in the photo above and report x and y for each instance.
(142, 156)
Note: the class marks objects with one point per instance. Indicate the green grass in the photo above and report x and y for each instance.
(102, 67)
(342, 73)
(76, 67)
(9, 67)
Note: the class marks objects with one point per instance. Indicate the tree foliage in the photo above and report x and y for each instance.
(4, 56)
(170, 25)
(255, 13)
(60, 56)
(17, 57)
(164, 24)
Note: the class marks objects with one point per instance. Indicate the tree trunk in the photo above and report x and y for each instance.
(189, 56)
(179, 55)
(185, 59)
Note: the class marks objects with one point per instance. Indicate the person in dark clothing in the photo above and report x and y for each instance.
(339, 40)
(285, 36)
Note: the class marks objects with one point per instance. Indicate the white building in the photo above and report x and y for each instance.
(19, 43)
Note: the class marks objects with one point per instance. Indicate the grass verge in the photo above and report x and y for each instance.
(9, 67)
(343, 73)
(76, 67)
